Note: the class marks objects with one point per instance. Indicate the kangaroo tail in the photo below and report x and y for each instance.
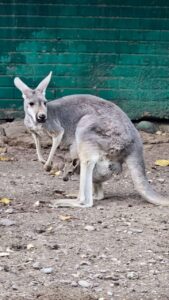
(136, 166)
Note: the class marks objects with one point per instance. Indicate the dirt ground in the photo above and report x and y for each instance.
(119, 249)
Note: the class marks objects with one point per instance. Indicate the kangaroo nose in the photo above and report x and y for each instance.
(41, 118)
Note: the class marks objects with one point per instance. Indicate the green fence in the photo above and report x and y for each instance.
(117, 49)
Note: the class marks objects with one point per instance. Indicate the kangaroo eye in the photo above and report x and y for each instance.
(45, 103)
(31, 104)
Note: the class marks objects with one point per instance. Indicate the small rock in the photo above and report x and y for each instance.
(6, 268)
(111, 277)
(98, 275)
(152, 261)
(33, 283)
(64, 281)
(47, 270)
(132, 275)
(109, 293)
(36, 266)
(84, 283)
(36, 204)
(98, 289)
(159, 132)
(136, 230)
(54, 247)
(95, 284)
(102, 256)
(154, 272)
(7, 222)
(17, 247)
(76, 275)
(30, 246)
(89, 228)
(147, 126)
(104, 225)
(84, 263)
(161, 180)
(104, 271)
(100, 207)
(9, 210)
(14, 287)
(116, 283)
(3, 254)
(74, 284)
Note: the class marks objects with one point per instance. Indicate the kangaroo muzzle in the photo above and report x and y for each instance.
(41, 118)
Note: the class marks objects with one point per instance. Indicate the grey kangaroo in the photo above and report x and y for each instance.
(97, 133)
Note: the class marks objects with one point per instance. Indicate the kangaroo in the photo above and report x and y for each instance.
(96, 132)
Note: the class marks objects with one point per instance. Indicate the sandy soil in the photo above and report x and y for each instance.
(119, 249)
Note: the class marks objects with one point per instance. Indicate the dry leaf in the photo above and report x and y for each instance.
(162, 162)
(55, 173)
(5, 158)
(3, 149)
(65, 218)
(5, 201)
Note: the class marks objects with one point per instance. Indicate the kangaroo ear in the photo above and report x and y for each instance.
(44, 83)
(21, 86)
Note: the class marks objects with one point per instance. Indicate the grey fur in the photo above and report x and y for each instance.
(97, 132)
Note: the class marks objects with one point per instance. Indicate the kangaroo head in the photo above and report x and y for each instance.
(34, 99)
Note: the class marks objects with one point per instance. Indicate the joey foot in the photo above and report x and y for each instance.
(47, 167)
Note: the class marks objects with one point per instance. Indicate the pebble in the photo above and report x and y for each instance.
(9, 210)
(136, 230)
(100, 207)
(7, 222)
(14, 287)
(47, 270)
(104, 271)
(3, 254)
(54, 247)
(111, 277)
(85, 263)
(84, 283)
(104, 225)
(30, 246)
(161, 180)
(74, 284)
(33, 283)
(36, 204)
(98, 275)
(98, 289)
(36, 266)
(158, 132)
(147, 126)
(132, 275)
(89, 228)
(64, 281)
